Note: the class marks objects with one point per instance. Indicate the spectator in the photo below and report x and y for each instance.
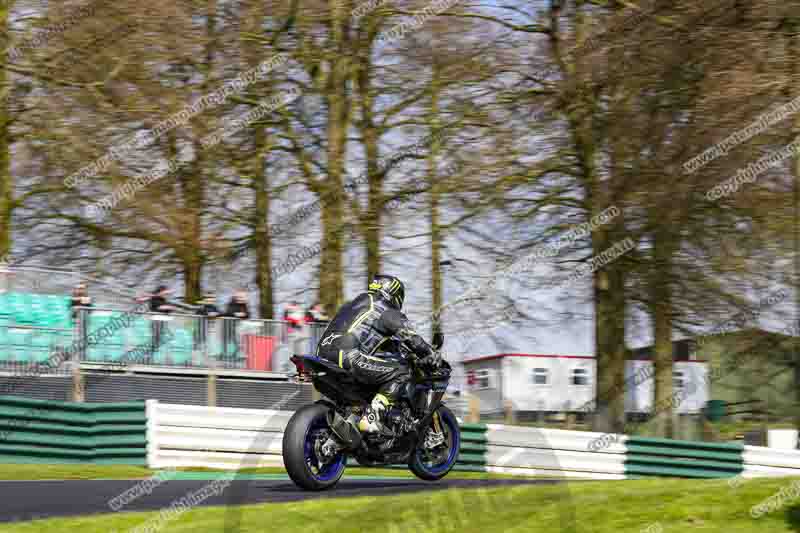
(293, 316)
(316, 314)
(317, 321)
(158, 304)
(80, 298)
(80, 317)
(237, 310)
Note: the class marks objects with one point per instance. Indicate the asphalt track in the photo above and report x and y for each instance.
(30, 500)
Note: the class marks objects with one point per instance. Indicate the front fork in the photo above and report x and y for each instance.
(437, 424)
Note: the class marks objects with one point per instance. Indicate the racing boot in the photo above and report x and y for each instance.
(373, 419)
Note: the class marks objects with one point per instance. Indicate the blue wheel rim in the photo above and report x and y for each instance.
(451, 430)
(331, 470)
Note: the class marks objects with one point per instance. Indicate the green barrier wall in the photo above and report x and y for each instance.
(39, 431)
(677, 458)
(472, 454)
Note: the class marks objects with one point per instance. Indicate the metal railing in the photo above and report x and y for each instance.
(124, 338)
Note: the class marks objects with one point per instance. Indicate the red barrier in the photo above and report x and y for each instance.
(259, 350)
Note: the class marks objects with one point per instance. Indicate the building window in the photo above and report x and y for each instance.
(479, 379)
(580, 376)
(541, 376)
(678, 379)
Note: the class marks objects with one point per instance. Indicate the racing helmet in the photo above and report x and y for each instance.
(389, 288)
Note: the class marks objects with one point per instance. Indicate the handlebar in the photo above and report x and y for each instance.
(443, 365)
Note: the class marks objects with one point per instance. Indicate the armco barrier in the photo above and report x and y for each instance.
(218, 437)
(677, 458)
(215, 437)
(551, 452)
(40, 431)
(760, 462)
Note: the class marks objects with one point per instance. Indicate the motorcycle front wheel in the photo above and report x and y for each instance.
(304, 434)
(437, 451)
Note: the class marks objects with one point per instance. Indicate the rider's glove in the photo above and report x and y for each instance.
(433, 361)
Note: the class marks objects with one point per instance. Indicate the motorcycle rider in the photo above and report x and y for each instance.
(364, 337)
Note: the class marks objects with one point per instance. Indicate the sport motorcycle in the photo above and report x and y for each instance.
(419, 430)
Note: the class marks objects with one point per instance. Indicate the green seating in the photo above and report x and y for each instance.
(5, 304)
(50, 319)
(96, 354)
(19, 344)
(5, 352)
(181, 345)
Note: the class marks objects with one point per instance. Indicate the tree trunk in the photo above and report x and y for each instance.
(609, 348)
(435, 195)
(262, 240)
(193, 275)
(436, 257)
(662, 331)
(6, 183)
(795, 48)
(260, 176)
(372, 220)
(194, 181)
(609, 319)
(331, 285)
(330, 277)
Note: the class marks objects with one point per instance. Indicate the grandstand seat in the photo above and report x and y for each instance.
(115, 352)
(56, 311)
(159, 357)
(214, 347)
(5, 305)
(117, 336)
(181, 345)
(21, 306)
(96, 354)
(19, 342)
(5, 348)
(41, 341)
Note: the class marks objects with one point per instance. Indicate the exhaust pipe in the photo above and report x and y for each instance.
(345, 430)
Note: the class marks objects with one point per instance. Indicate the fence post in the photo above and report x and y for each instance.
(508, 407)
(211, 381)
(78, 394)
(77, 389)
(211, 389)
(474, 409)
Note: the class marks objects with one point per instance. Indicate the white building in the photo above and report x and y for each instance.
(564, 383)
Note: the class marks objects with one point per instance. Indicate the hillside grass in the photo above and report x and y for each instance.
(635, 506)
(32, 472)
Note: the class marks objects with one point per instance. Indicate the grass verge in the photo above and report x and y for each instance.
(671, 506)
(22, 472)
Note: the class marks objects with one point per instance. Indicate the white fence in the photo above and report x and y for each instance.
(552, 452)
(214, 437)
(758, 461)
(230, 438)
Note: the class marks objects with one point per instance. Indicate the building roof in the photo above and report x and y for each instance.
(550, 356)
(501, 355)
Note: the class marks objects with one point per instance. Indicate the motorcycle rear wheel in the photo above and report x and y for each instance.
(307, 426)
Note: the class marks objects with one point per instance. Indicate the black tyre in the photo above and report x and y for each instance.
(308, 427)
(433, 463)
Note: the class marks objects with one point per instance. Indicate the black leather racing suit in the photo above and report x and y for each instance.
(364, 337)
